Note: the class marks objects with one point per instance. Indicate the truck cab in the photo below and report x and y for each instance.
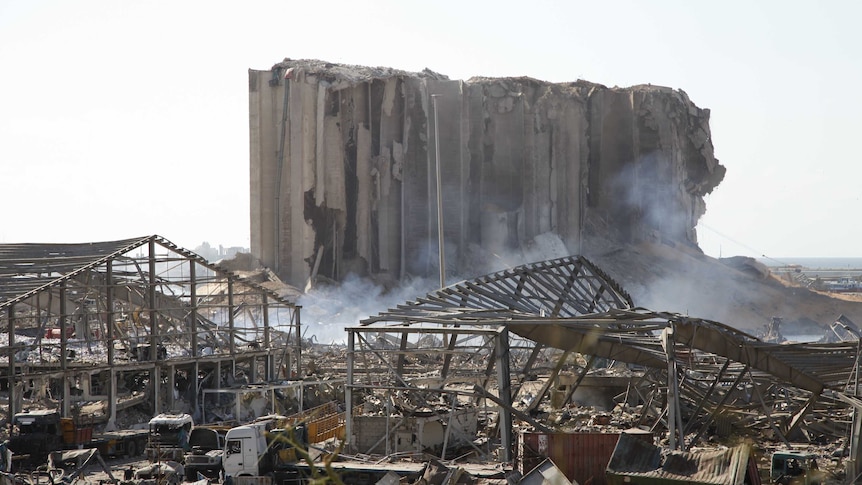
(168, 437)
(245, 451)
(206, 451)
(36, 433)
(795, 467)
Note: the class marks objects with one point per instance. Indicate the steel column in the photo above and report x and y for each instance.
(151, 293)
(193, 307)
(230, 322)
(11, 353)
(348, 389)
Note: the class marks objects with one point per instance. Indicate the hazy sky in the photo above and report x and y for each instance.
(128, 118)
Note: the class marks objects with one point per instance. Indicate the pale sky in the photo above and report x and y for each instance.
(128, 118)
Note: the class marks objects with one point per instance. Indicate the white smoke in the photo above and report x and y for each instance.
(328, 310)
(652, 198)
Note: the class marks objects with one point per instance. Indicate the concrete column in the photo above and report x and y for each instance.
(853, 462)
(673, 413)
(270, 374)
(268, 98)
(505, 391)
(196, 406)
(156, 374)
(172, 382)
(66, 411)
(301, 397)
(112, 401)
(86, 378)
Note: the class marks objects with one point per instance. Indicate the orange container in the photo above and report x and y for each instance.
(83, 435)
(580, 456)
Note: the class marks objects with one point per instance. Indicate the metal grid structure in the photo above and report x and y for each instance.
(487, 335)
(90, 318)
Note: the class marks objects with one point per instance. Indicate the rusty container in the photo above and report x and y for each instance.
(580, 456)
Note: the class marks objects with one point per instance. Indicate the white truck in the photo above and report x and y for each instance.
(245, 451)
(253, 452)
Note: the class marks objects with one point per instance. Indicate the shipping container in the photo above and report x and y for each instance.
(581, 456)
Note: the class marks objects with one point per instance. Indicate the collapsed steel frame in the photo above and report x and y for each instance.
(96, 318)
(489, 334)
(75, 313)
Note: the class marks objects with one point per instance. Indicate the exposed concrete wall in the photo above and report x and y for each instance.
(412, 433)
(264, 126)
(519, 158)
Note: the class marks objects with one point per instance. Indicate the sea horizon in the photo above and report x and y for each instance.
(826, 262)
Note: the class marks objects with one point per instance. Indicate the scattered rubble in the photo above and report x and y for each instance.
(483, 376)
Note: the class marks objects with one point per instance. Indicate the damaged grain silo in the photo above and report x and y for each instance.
(343, 167)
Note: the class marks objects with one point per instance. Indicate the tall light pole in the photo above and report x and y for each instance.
(439, 196)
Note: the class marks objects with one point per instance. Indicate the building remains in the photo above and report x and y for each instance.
(344, 174)
(544, 372)
(488, 371)
(136, 321)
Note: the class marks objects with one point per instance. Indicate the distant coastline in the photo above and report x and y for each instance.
(829, 274)
(814, 263)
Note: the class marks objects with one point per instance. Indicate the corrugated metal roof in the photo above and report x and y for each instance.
(25, 268)
(635, 458)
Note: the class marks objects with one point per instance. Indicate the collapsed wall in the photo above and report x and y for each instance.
(344, 175)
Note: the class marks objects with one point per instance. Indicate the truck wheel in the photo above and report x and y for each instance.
(142, 445)
(132, 448)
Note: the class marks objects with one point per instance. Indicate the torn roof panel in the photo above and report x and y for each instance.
(28, 267)
(635, 461)
(545, 473)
